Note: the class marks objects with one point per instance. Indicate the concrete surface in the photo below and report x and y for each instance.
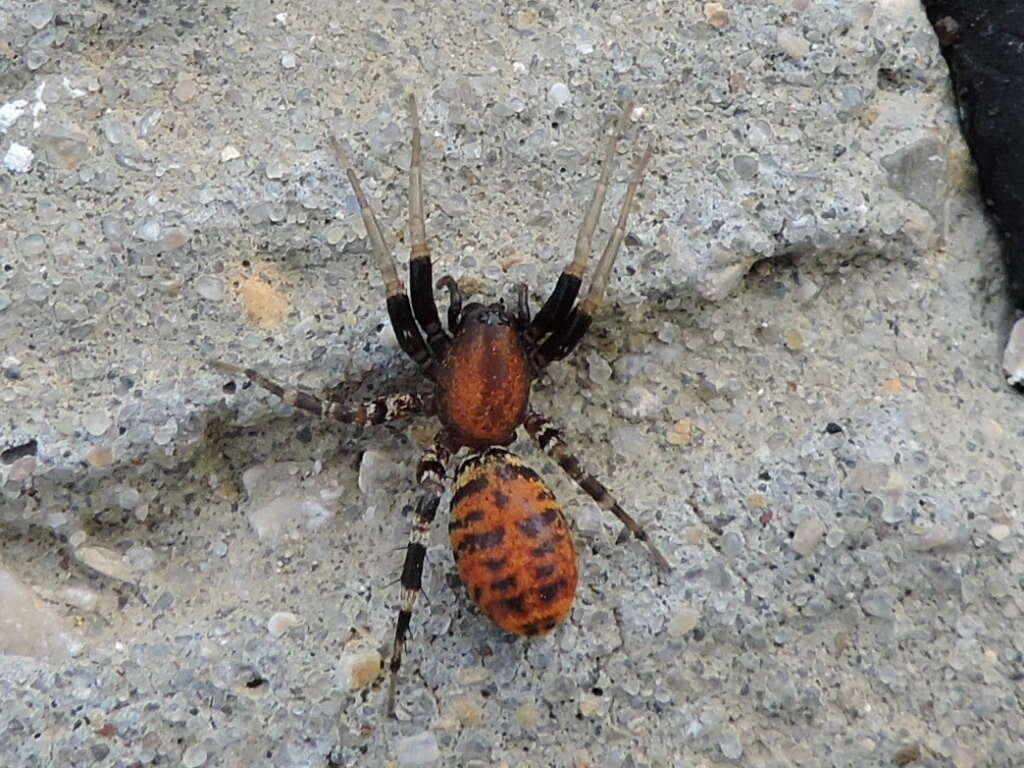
(193, 574)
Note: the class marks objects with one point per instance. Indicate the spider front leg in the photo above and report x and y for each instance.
(551, 442)
(420, 268)
(399, 309)
(376, 411)
(557, 308)
(430, 474)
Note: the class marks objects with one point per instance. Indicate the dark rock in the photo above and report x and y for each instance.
(983, 42)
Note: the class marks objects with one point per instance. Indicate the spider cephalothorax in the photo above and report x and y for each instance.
(510, 538)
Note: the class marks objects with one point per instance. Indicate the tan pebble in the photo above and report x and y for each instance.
(22, 469)
(808, 535)
(992, 430)
(589, 704)
(264, 304)
(106, 561)
(100, 456)
(757, 500)
(359, 668)
(892, 386)
(794, 340)
(896, 484)
(466, 710)
(228, 490)
(684, 621)
(527, 715)
(185, 90)
(681, 432)
(472, 675)
(696, 535)
(793, 45)
(999, 531)
(717, 15)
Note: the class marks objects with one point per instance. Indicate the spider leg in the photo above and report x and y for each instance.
(559, 304)
(420, 269)
(551, 442)
(375, 411)
(431, 476)
(399, 310)
(565, 337)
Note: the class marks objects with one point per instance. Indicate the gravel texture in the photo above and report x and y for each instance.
(795, 385)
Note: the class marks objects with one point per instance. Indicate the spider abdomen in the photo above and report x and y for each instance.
(484, 383)
(512, 544)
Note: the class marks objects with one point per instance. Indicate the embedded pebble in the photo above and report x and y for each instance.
(40, 14)
(193, 757)
(792, 44)
(10, 112)
(731, 746)
(210, 287)
(681, 433)
(999, 531)
(22, 469)
(359, 668)
(683, 622)
(1013, 355)
(18, 158)
(288, 60)
(229, 153)
(808, 535)
(281, 622)
(417, 750)
(877, 603)
(559, 94)
(28, 627)
(717, 15)
(105, 561)
(185, 90)
(100, 456)
(97, 423)
(79, 596)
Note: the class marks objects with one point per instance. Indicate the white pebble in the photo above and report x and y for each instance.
(417, 750)
(808, 535)
(281, 622)
(18, 158)
(194, 757)
(97, 422)
(210, 287)
(559, 94)
(10, 112)
(229, 153)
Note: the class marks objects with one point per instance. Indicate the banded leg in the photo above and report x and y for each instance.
(559, 304)
(551, 442)
(430, 475)
(399, 310)
(421, 278)
(565, 337)
(376, 411)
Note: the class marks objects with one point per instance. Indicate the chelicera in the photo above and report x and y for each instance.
(511, 541)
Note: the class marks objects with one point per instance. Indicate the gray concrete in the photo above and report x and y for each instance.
(193, 574)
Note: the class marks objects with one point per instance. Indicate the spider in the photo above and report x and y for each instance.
(510, 539)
